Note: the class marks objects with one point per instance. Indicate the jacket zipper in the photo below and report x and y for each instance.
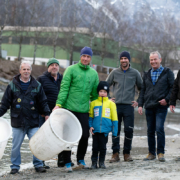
(101, 115)
(123, 87)
(83, 86)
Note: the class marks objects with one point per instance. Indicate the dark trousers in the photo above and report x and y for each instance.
(155, 123)
(41, 120)
(126, 114)
(83, 143)
(99, 147)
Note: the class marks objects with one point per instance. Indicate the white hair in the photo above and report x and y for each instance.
(155, 52)
(25, 62)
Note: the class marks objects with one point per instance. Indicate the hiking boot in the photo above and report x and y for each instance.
(102, 165)
(14, 171)
(127, 158)
(149, 157)
(40, 169)
(115, 158)
(81, 165)
(68, 168)
(161, 157)
(94, 165)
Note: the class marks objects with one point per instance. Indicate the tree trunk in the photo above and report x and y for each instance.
(71, 52)
(19, 55)
(35, 49)
(1, 41)
(71, 57)
(54, 47)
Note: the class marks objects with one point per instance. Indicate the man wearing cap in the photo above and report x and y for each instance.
(50, 81)
(124, 79)
(79, 85)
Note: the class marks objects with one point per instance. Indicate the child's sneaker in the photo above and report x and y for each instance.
(81, 162)
(68, 167)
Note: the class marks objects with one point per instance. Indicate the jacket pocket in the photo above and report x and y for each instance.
(15, 115)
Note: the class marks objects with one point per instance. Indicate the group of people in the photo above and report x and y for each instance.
(31, 102)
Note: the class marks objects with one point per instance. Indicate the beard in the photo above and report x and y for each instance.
(54, 73)
(125, 65)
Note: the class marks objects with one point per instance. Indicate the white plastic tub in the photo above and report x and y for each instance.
(5, 133)
(60, 132)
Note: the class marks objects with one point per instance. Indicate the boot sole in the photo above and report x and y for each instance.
(78, 167)
(128, 160)
(114, 161)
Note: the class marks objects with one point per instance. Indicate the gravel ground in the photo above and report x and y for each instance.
(136, 170)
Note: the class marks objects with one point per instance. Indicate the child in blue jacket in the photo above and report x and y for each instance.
(102, 120)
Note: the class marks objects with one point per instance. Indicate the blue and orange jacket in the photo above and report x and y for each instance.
(103, 116)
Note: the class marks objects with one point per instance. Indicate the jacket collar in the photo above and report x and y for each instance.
(127, 69)
(33, 82)
(103, 98)
(48, 74)
(83, 66)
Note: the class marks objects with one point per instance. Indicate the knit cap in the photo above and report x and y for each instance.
(86, 51)
(103, 85)
(51, 61)
(125, 54)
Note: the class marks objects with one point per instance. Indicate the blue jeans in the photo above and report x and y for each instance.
(126, 114)
(18, 137)
(155, 123)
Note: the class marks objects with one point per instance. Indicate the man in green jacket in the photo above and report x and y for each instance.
(78, 86)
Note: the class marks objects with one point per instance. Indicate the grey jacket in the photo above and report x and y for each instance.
(124, 84)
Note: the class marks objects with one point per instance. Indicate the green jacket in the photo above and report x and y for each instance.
(78, 86)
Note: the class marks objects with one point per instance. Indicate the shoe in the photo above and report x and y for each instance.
(14, 171)
(115, 158)
(45, 166)
(68, 167)
(81, 162)
(102, 165)
(149, 157)
(40, 169)
(62, 164)
(94, 165)
(128, 158)
(161, 157)
(178, 158)
(60, 160)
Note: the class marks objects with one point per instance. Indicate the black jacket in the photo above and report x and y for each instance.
(150, 94)
(175, 94)
(50, 88)
(25, 108)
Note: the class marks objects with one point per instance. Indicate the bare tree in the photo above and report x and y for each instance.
(71, 22)
(3, 19)
(38, 19)
(21, 19)
(169, 39)
(143, 27)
